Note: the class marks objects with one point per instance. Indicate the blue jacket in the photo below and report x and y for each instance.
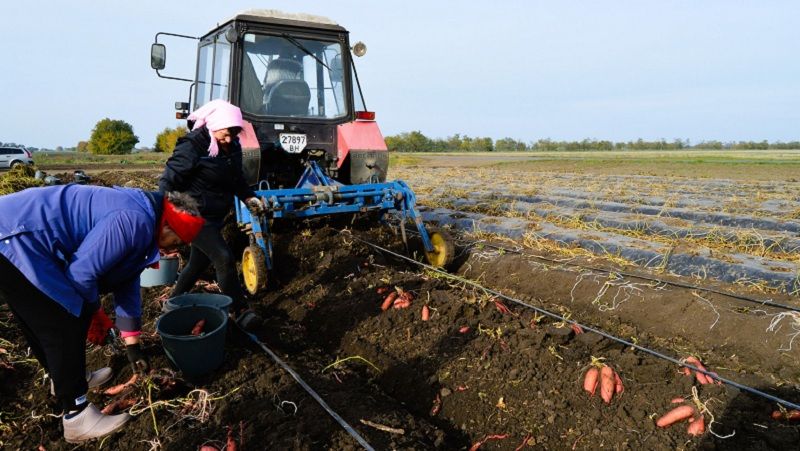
(75, 242)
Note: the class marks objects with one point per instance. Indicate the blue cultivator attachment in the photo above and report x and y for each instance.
(316, 194)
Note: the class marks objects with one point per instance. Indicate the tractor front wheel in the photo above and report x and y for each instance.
(254, 271)
(443, 249)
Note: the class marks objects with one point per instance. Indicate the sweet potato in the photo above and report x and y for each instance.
(198, 327)
(679, 413)
(437, 405)
(387, 302)
(701, 378)
(401, 303)
(426, 313)
(118, 405)
(590, 380)
(230, 443)
(697, 427)
(382, 290)
(208, 448)
(117, 389)
(678, 400)
(606, 384)
(463, 329)
(618, 387)
(502, 308)
(789, 415)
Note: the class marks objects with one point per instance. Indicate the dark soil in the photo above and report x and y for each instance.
(514, 379)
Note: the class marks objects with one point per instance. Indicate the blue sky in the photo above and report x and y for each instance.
(619, 70)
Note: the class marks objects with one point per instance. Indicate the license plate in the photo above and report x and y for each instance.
(293, 142)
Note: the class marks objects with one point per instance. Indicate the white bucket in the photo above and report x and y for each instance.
(166, 273)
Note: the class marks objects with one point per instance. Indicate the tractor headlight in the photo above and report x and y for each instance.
(359, 49)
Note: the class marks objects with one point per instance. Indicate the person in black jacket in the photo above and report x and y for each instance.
(207, 165)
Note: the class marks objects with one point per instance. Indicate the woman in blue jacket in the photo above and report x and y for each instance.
(63, 246)
(207, 165)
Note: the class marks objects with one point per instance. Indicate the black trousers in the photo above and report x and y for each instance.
(210, 248)
(57, 338)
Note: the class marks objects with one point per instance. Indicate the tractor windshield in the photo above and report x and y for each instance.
(292, 77)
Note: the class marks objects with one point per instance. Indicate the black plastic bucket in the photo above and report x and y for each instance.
(194, 355)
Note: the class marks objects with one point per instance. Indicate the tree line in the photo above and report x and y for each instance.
(417, 142)
(115, 137)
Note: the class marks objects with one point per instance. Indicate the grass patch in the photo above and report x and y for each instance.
(50, 159)
(403, 159)
(18, 179)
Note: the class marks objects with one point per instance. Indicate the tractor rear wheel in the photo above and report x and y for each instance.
(254, 272)
(443, 249)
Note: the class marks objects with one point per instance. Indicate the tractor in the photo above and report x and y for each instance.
(310, 146)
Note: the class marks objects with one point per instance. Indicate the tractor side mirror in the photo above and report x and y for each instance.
(158, 56)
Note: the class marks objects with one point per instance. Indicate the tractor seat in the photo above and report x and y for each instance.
(288, 98)
(281, 69)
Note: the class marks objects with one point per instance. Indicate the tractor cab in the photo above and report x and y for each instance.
(310, 147)
(293, 77)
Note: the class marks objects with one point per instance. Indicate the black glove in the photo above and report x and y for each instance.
(137, 358)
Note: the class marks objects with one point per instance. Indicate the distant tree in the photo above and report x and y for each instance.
(545, 145)
(438, 145)
(481, 145)
(112, 137)
(716, 145)
(453, 142)
(394, 143)
(82, 146)
(465, 145)
(409, 142)
(417, 142)
(509, 145)
(165, 141)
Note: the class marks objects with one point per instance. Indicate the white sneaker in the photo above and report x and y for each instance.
(91, 423)
(93, 378)
(99, 377)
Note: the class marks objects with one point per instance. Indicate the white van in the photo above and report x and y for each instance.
(11, 157)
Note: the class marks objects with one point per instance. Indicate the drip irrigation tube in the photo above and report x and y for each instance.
(600, 332)
(652, 279)
(353, 433)
(642, 277)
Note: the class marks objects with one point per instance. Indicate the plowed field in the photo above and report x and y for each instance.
(483, 371)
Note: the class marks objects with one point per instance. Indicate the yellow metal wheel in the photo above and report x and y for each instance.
(443, 249)
(254, 272)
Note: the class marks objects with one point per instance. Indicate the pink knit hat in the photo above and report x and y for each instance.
(216, 115)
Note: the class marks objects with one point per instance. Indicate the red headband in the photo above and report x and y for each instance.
(183, 224)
